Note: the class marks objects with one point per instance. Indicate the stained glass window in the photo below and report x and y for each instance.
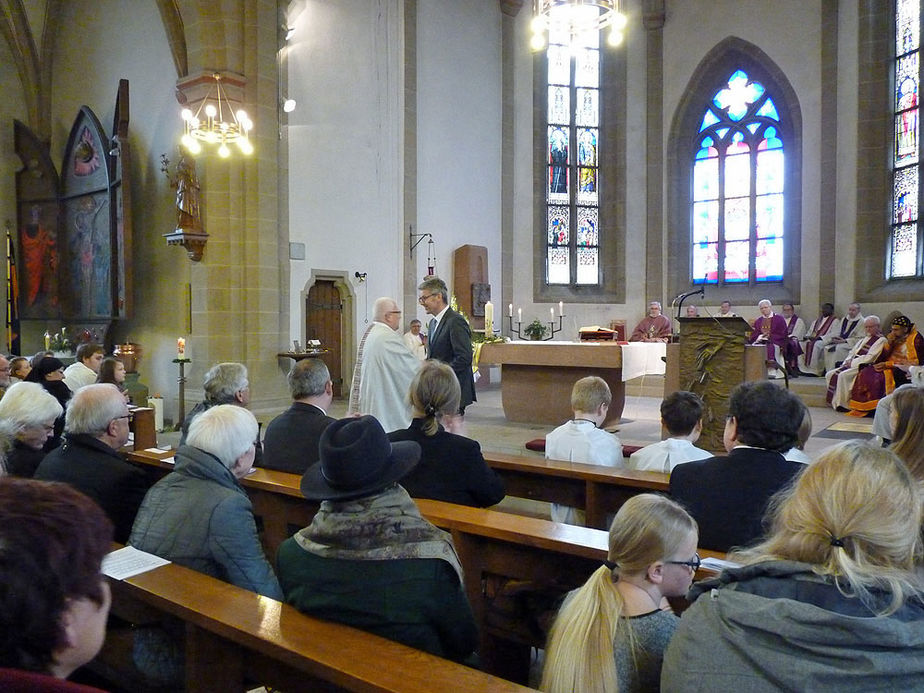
(904, 240)
(573, 156)
(738, 187)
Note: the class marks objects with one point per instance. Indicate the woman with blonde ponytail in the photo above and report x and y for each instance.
(611, 633)
(451, 467)
(828, 601)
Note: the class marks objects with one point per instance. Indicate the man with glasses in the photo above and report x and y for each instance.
(95, 427)
(384, 370)
(449, 338)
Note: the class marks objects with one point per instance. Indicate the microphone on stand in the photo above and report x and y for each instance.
(683, 297)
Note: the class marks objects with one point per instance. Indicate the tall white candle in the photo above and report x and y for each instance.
(519, 315)
(552, 312)
(510, 309)
(561, 307)
(488, 319)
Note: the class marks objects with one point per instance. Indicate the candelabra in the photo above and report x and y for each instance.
(552, 329)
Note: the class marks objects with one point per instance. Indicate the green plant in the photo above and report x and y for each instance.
(535, 330)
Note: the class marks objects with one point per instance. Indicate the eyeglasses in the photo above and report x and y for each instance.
(423, 299)
(124, 416)
(693, 564)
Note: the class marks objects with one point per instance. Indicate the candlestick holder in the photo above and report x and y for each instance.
(552, 330)
(181, 381)
(515, 332)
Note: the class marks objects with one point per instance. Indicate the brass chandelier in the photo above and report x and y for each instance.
(219, 125)
(576, 18)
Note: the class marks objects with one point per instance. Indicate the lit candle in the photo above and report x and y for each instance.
(510, 310)
(552, 312)
(561, 307)
(181, 348)
(47, 341)
(519, 315)
(488, 319)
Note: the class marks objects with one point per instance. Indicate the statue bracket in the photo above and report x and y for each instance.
(194, 242)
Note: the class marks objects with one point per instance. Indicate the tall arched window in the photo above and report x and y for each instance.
(738, 179)
(905, 246)
(734, 198)
(572, 191)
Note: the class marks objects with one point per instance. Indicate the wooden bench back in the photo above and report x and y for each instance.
(234, 636)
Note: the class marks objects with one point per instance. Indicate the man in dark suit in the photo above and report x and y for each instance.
(291, 440)
(727, 496)
(96, 426)
(449, 338)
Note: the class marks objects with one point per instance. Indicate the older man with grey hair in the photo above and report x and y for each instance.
(95, 427)
(291, 440)
(384, 370)
(224, 383)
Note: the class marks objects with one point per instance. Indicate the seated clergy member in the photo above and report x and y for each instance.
(368, 559)
(224, 383)
(770, 329)
(812, 360)
(198, 515)
(864, 352)
(582, 439)
(725, 310)
(829, 601)
(291, 440)
(727, 496)
(846, 333)
(54, 600)
(795, 328)
(682, 417)
(96, 426)
(85, 369)
(29, 412)
(902, 353)
(451, 466)
(654, 327)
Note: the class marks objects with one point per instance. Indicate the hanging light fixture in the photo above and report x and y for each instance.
(221, 126)
(575, 18)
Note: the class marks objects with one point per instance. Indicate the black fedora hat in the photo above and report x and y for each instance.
(357, 460)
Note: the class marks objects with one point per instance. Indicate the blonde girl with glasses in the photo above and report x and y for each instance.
(610, 634)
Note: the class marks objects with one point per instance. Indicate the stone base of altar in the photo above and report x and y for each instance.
(536, 379)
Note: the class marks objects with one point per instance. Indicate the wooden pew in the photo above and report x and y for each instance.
(598, 490)
(234, 636)
(500, 553)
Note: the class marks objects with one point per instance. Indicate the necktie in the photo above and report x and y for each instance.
(431, 328)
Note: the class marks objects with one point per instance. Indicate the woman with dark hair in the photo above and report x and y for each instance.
(112, 371)
(49, 373)
(368, 559)
(451, 468)
(828, 601)
(55, 600)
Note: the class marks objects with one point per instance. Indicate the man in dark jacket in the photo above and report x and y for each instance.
(96, 426)
(291, 440)
(449, 337)
(727, 496)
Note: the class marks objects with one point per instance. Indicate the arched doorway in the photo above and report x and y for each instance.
(324, 322)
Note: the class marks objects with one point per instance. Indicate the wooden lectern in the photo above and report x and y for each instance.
(711, 358)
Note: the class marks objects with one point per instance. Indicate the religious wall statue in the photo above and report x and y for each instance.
(183, 179)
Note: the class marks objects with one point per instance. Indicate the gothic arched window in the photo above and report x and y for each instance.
(905, 247)
(737, 205)
(572, 226)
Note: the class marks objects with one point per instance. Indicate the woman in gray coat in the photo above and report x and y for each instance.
(198, 515)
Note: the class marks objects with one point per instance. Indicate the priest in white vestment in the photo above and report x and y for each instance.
(812, 360)
(384, 370)
(847, 332)
(865, 351)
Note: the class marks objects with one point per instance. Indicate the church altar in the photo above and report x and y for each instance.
(537, 377)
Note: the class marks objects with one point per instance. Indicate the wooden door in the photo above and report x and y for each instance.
(323, 319)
